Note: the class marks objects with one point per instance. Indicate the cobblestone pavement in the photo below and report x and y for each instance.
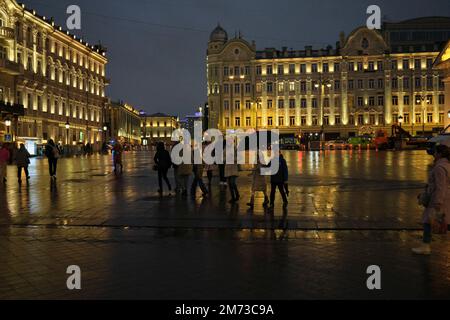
(347, 210)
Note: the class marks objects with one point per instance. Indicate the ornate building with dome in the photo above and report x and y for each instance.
(371, 80)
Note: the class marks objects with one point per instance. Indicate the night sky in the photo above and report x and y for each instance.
(157, 48)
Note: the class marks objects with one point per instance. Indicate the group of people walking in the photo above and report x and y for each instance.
(21, 158)
(228, 176)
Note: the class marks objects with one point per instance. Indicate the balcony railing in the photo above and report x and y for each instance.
(10, 67)
(7, 33)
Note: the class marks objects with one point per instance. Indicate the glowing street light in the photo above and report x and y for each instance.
(400, 121)
(7, 124)
(67, 131)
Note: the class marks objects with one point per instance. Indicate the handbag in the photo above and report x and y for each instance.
(155, 167)
(438, 223)
(424, 199)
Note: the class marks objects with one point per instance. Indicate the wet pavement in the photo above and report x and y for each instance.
(347, 210)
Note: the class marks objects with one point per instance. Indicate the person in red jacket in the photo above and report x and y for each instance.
(4, 158)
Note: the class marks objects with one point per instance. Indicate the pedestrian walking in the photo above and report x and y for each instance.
(278, 180)
(184, 172)
(258, 185)
(222, 178)
(117, 156)
(163, 162)
(198, 169)
(209, 168)
(4, 159)
(436, 198)
(22, 159)
(198, 180)
(52, 153)
(285, 177)
(232, 173)
(176, 176)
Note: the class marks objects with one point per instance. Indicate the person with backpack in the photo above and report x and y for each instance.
(163, 162)
(52, 153)
(22, 159)
(436, 198)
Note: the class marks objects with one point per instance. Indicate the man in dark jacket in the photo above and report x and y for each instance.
(52, 152)
(277, 181)
(22, 159)
(163, 162)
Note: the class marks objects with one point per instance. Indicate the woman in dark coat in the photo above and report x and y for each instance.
(278, 180)
(163, 162)
(22, 159)
(52, 152)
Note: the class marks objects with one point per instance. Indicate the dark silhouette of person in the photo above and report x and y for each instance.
(163, 162)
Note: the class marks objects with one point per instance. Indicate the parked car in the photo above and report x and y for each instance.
(290, 146)
(442, 138)
(336, 145)
(418, 141)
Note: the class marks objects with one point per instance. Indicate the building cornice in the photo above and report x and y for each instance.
(59, 32)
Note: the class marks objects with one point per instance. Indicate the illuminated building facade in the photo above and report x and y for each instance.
(58, 79)
(371, 80)
(124, 123)
(443, 63)
(157, 127)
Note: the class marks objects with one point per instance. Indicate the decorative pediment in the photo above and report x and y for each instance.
(237, 50)
(364, 41)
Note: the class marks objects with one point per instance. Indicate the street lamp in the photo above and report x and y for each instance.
(67, 132)
(448, 114)
(322, 83)
(420, 100)
(400, 121)
(105, 131)
(7, 124)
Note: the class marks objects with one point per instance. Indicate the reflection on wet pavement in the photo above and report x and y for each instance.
(329, 190)
(347, 210)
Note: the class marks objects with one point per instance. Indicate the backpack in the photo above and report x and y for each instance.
(55, 152)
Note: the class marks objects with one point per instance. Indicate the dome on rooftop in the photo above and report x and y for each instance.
(218, 34)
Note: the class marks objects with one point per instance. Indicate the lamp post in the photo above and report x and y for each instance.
(105, 131)
(400, 121)
(322, 83)
(67, 132)
(8, 125)
(420, 100)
